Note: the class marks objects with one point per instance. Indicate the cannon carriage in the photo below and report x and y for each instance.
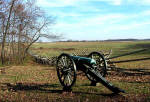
(94, 66)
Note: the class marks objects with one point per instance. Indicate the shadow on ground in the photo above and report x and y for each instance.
(78, 96)
(75, 96)
(32, 86)
(145, 45)
(43, 88)
(132, 72)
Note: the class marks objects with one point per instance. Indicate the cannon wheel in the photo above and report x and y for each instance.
(100, 63)
(66, 71)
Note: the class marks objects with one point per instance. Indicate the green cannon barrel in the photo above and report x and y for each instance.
(83, 60)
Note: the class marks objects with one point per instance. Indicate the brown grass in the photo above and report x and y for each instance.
(32, 82)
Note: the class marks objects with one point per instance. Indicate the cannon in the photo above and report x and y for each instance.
(94, 66)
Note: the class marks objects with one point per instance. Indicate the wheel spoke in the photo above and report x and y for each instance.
(71, 73)
(60, 66)
(92, 57)
(69, 81)
(64, 78)
(63, 61)
(67, 62)
(61, 75)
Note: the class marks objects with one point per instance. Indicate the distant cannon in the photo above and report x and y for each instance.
(94, 66)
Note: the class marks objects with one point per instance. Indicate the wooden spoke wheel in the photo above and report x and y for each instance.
(66, 71)
(101, 65)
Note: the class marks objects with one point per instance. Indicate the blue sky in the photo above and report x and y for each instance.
(99, 19)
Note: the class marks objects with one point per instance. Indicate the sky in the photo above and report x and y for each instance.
(99, 19)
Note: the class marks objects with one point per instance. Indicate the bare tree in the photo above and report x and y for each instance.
(22, 26)
(5, 32)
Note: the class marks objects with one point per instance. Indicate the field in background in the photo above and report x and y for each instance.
(35, 83)
(56, 48)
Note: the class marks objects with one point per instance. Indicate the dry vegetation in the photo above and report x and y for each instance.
(32, 82)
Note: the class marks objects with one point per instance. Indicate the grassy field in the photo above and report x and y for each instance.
(55, 48)
(32, 82)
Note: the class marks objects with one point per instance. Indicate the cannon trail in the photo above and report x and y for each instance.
(103, 81)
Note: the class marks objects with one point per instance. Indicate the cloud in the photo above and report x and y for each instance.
(70, 14)
(64, 3)
(139, 2)
(78, 3)
(55, 3)
(117, 2)
(133, 2)
(98, 19)
(113, 2)
(134, 25)
(113, 24)
(98, 22)
(122, 2)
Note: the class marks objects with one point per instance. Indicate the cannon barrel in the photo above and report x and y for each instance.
(83, 60)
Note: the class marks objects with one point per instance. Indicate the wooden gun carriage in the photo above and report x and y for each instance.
(94, 66)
